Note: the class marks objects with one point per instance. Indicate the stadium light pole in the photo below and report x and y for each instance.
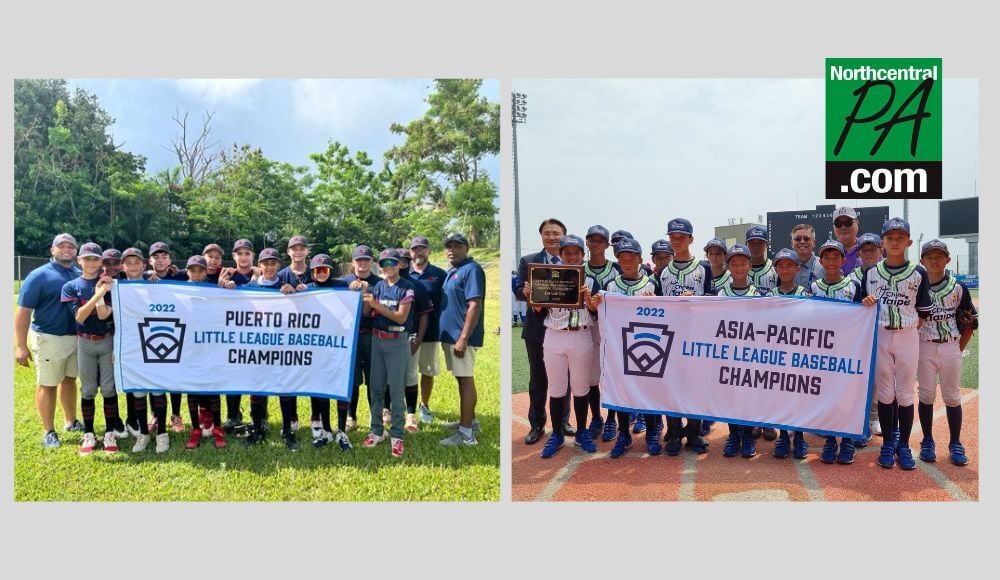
(519, 114)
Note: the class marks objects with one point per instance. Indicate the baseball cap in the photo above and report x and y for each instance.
(158, 247)
(831, 245)
(756, 233)
(321, 261)
(570, 240)
(786, 254)
(297, 241)
(680, 226)
(598, 230)
(717, 243)
(243, 243)
(268, 254)
(419, 241)
(737, 250)
(64, 238)
(212, 247)
(934, 244)
(895, 224)
(402, 254)
(197, 260)
(456, 237)
(111, 254)
(628, 245)
(133, 252)
(362, 253)
(618, 235)
(660, 247)
(845, 211)
(388, 258)
(869, 239)
(90, 249)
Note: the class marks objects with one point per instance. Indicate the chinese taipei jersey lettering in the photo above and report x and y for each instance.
(764, 277)
(847, 289)
(901, 292)
(693, 276)
(644, 286)
(947, 296)
(603, 274)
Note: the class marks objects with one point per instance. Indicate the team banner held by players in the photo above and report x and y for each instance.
(190, 338)
(785, 362)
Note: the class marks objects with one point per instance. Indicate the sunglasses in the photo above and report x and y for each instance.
(843, 223)
(319, 269)
(801, 239)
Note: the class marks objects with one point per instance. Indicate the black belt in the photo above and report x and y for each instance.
(944, 340)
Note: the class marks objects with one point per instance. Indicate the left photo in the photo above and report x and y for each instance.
(256, 290)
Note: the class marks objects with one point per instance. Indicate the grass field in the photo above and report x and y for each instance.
(428, 471)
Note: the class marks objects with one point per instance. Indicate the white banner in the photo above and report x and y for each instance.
(192, 338)
(796, 363)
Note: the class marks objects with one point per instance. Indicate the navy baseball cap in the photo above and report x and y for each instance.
(598, 230)
(628, 245)
(895, 224)
(243, 243)
(419, 241)
(268, 254)
(831, 245)
(934, 244)
(133, 252)
(619, 235)
(680, 226)
(869, 239)
(111, 254)
(297, 241)
(717, 243)
(362, 253)
(786, 254)
(211, 248)
(756, 233)
(158, 247)
(737, 250)
(570, 240)
(456, 237)
(402, 254)
(90, 250)
(198, 261)
(321, 261)
(64, 238)
(388, 258)
(661, 247)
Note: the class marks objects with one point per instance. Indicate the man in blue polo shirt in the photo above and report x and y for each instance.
(53, 336)
(432, 279)
(462, 329)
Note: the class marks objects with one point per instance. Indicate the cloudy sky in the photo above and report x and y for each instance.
(288, 119)
(631, 154)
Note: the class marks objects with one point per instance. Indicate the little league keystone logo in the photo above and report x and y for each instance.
(646, 348)
(162, 339)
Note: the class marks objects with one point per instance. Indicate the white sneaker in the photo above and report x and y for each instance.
(122, 434)
(372, 440)
(351, 425)
(425, 414)
(875, 427)
(411, 423)
(317, 429)
(110, 442)
(295, 426)
(457, 438)
(130, 431)
(88, 444)
(457, 424)
(141, 441)
(163, 443)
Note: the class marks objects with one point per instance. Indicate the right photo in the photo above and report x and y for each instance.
(701, 313)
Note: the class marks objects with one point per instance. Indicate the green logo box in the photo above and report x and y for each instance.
(883, 128)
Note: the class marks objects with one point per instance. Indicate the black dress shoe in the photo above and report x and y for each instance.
(533, 436)
(568, 429)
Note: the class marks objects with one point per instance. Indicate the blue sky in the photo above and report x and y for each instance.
(287, 119)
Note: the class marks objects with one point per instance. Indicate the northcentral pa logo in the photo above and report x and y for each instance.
(162, 339)
(646, 348)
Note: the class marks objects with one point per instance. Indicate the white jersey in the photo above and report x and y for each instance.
(750, 290)
(603, 274)
(797, 291)
(903, 292)
(693, 276)
(644, 286)
(947, 296)
(764, 277)
(559, 318)
(847, 289)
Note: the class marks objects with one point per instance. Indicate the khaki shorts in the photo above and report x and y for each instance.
(425, 362)
(460, 367)
(55, 357)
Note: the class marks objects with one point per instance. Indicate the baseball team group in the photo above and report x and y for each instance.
(925, 320)
(64, 323)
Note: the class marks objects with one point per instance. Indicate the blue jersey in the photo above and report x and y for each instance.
(330, 283)
(464, 282)
(392, 296)
(242, 279)
(432, 281)
(42, 292)
(287, 276)
(372, 279)
(179, 276)
(78, 292)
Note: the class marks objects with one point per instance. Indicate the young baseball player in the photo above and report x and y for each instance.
(662, 253)
(740, 440)
(423, 310)
(517, 307)
(88, 299)
(942, 340)
(601, 270)
(201, 407)
(870, 252)
(839, 287)
(763, 276)
(684, 276)
(111, 262)
(903, 291)
(241, 275)
(715, 254)
(568, 352)
(161, 261)
(213, 259)
(632, 282)
(786, 264)
(361, 278)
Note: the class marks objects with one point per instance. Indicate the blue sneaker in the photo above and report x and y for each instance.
(653, 439)
(800, 449)
(927, 450)
(829, 454)
(622, 444)
(732, 447)
(886, 456)
(862, 442)
(706, 427)
(749, 447)
(553, 445)
(956, 453)
(610, 430)
(596, 427)
(905, 458)
(846, 455)
(783, 446)
(640, 423)
(585, 441)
